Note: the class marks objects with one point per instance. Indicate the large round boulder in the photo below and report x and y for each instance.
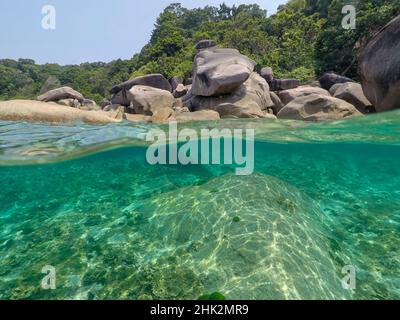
(352, 93)
(60, 94)
(379, 68)
(287, 96)
(220, 71)
(148, 100)
(249, 237)
(316, 107)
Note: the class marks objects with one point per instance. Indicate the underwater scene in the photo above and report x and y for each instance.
(83, 199)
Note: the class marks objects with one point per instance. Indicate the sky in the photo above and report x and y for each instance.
(87, 30)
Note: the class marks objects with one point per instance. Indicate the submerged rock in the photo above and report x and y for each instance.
(60, 94)
(279, 249)
(316, 107)
(379, 68)
(220, 71)
(35, 111)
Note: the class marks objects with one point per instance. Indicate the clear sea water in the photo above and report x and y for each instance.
(84, 200)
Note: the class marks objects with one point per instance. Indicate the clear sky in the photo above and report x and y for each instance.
(87, 30)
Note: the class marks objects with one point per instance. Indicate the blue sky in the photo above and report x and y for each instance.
(87, 30)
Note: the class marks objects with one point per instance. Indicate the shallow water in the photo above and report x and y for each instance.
(83, 199)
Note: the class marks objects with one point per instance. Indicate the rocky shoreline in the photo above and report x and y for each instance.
(225, 85)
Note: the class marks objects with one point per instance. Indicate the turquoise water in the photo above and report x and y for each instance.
(84, 200)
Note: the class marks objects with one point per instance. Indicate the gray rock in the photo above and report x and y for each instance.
(327, 80)
(181, 90)
(178, 104)
(352, 93)
(174, 82)
(113, 107)
(161, 115)
(137, 117)
(104, 103)
(333, 89)
(283, 84)
(250, 100)
(73, 103)
(277, 103)
(316, 107)
(121, 98)
(147, 100)
(267, 74)
(315, 84)
(204, 44)
(220, 71)
(60, 94)
(379, 68)
(151, 80)
(287, 96)
(229, 110)
(88, 102)
(89, 105)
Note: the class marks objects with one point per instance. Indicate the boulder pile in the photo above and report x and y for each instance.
(224, 81)
(224, 84)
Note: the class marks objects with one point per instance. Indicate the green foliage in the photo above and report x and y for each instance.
(337, 49)
(24, 79)
(302, 40)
